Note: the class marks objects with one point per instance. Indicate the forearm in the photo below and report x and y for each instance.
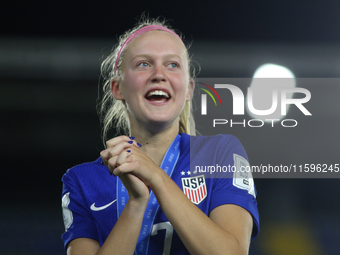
(123, 237)
(197, 231)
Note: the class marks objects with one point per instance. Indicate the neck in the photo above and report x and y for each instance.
(155, 145)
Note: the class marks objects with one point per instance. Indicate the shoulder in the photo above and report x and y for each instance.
(213, 144)
(86, 170)
(214, 139)
(89, 182)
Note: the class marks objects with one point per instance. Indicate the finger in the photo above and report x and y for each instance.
(114, 151)
(113, 142)
(126, 168)
(119, 139)
(122, 158)
(118, 160)
(105, 156)
(119, 148)
(112, 163)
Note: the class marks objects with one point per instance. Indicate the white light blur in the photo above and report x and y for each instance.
(267, 78)
(273, 71)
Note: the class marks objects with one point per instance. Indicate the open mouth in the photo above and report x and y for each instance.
(157, 96)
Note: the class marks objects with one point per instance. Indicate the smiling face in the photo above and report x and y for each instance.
(155, 79)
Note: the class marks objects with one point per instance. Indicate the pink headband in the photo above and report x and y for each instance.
(138, 32)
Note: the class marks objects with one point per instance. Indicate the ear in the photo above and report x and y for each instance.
(115, 89)
(191, 88)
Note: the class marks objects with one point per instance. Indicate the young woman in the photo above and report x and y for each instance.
(142, 196)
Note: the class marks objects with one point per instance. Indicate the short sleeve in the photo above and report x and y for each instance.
(237, 187)
(78, 220)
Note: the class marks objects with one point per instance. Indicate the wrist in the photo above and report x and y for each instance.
(137, 204)
(159, 181)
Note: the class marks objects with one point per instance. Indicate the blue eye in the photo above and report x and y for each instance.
(143, 64)
(173, 65)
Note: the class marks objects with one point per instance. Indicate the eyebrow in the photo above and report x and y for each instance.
(148, 56)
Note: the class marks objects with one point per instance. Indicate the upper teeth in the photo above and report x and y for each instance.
(158, 93)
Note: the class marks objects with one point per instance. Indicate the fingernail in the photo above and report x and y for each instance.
(128, 151)
(139, 145)
(132, 137)
(130, 142)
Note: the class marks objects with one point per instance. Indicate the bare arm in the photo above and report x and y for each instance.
(227, 231)
(124, 235)
(122, 239)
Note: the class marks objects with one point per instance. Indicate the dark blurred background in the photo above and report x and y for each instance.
(50, 56)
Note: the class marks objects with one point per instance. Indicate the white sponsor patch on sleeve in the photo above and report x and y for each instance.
(67, 213)
(243, 178)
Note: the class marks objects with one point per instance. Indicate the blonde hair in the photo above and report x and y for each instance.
(114, 112)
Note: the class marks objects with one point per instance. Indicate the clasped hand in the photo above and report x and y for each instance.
(136, 170)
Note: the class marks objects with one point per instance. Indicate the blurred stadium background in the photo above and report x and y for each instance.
(50, 54)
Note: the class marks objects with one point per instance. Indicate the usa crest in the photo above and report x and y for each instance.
(195, 188)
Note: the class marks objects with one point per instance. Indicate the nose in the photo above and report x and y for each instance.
(158, 75)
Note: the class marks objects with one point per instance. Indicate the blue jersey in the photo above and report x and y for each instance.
(89, 198)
